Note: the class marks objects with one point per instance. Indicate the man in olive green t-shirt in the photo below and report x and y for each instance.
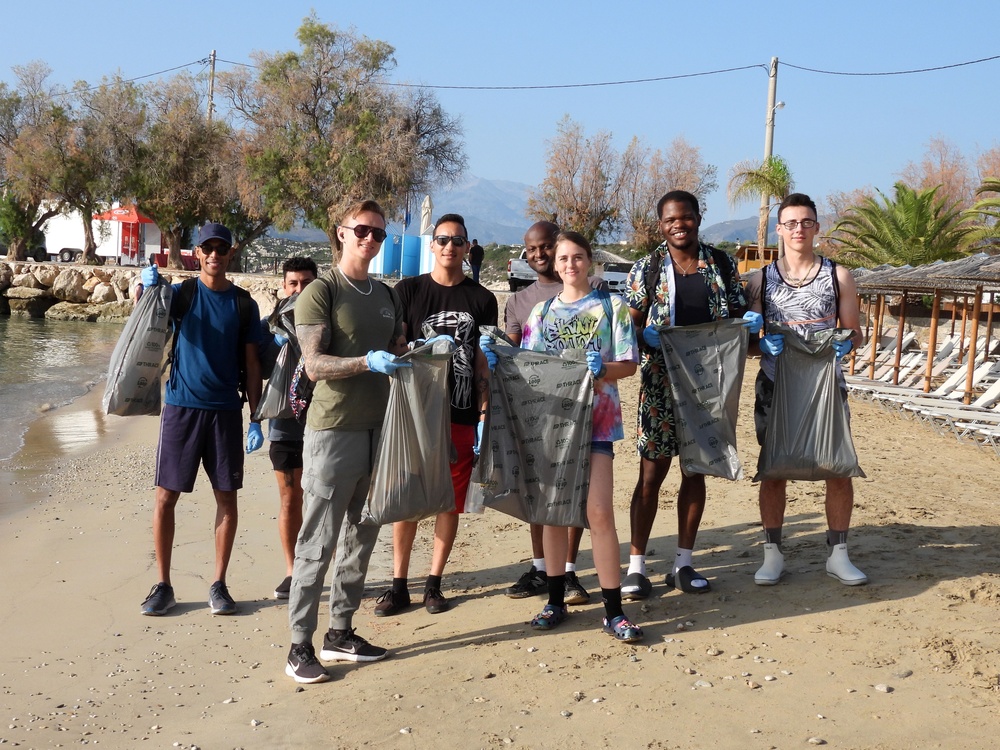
(349, 327)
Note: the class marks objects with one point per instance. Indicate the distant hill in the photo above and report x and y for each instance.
(494, 211)
(741, 230)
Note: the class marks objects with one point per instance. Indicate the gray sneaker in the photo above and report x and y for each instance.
(220, 601)
(160, 599)
(347, 645)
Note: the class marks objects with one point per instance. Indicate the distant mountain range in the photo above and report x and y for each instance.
(494, 211)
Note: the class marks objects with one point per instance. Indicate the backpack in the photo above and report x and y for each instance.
(182, 303)
(722, 259)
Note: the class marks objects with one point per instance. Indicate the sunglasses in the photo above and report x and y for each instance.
(457, 240)
(363, 230)
(219, 248)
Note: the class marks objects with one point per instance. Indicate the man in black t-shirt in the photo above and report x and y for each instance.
(476, 255)
(445, 302)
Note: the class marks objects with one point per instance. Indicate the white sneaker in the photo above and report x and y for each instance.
(773, 568)
(839, 566)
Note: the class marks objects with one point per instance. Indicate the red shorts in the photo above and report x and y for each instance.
(463, 437)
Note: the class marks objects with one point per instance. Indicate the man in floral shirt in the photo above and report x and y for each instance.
(689, 283)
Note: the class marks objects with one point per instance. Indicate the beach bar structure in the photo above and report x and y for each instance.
(969, 285)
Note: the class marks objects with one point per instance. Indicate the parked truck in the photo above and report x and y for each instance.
(519, 273)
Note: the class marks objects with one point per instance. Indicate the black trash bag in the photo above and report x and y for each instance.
(808, 430)
(705, 365)
(138, 361)
(534, 463)
(276, 400)
(411, 479)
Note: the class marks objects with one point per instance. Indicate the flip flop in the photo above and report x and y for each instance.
(685, 576)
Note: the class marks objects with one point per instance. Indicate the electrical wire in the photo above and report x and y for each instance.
(892, 72)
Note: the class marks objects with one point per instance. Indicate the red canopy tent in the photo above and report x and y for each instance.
(126, 214)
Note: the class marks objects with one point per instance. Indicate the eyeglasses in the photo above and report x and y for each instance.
(219, 248)
(363, 230)
(805, 224)
(457, 240)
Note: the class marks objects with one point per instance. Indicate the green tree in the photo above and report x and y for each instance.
(913, 227)
(179, 183)
(749, 180)
(323, 129)
(986, 235)
(25, 203)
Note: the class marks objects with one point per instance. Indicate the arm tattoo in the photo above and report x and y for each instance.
(321, 366)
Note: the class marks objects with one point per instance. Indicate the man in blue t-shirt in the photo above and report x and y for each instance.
(202, 419)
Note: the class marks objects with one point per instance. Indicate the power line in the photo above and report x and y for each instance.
(202, 61)
(577, 85)
(893, 72)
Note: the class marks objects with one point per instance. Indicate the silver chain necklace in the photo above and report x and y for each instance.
(348, 280)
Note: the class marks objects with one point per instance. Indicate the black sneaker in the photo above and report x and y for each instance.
(160, 599)
(532, 583)
(303, 666)
(347, 645)
(575, 592)
(435, 602)
(282, 590)
(220, 601)
(391, 603)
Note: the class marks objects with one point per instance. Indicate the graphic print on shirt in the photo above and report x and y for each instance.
(574, 332)
(462, 327)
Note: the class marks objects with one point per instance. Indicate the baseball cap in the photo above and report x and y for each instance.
(213, 231)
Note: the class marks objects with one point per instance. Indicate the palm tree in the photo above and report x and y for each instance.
(912, 228)
(986, 236)
(750, 179)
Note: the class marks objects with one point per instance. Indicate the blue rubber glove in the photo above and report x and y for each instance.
(384, 362)
(479, 438)
(841, 348)
(651, 336)
(149, 276)
(773, 344)
(753, 321)
(280, 340)
(485, 343)
(255, 438)
(595, 363)
(440, 337)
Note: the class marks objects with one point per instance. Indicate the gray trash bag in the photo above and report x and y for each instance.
(535, 461)
(411, 479)
(133, 384)
(705, 365)
(808, 430)
(275, 401)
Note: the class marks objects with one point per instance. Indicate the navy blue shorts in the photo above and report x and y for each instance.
(189, 437)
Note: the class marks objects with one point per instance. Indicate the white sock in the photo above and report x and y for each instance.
(682, 558)
(539, 563)
(636, 564)
(570, 567)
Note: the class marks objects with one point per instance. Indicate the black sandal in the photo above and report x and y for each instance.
(685, 577)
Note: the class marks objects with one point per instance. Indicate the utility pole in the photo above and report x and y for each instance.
(211, 85)
(772, 105)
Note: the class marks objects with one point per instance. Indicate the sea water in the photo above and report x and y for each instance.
(44, 365)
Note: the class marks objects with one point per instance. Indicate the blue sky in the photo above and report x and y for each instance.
(837, 132)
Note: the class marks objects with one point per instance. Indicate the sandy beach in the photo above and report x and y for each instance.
(911, 660)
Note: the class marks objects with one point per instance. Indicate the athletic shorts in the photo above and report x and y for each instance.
(604, 447)
(286, 455)
(463, 437)
(764, 396)
(189, 437)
